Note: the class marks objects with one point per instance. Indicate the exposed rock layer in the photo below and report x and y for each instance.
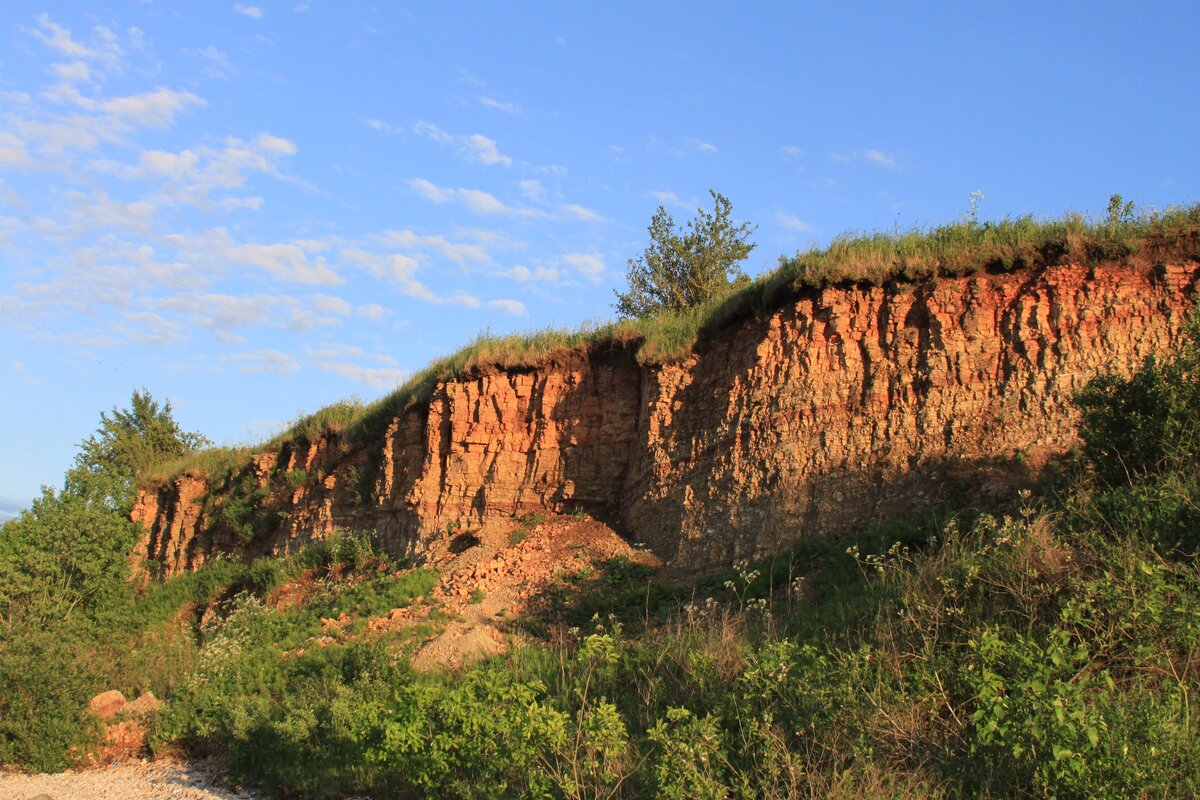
(846, 405)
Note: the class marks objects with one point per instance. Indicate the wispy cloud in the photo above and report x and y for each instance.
(514, 307)
(254, 12)
(533, 189)
(104, 47)
(701, 146)
(203, 176)
(583, 213)
(377, 377)
(474, 200)
(541, 274)
(791, 221)
(216, 62)
(383, 127)
(264, 361)
(878, 158)
(672, 199)
(491, 102)
(475, 146)
(462, 253)
(589, 265)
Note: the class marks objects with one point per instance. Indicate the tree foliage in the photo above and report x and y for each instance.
(686, 267)
(126, 444)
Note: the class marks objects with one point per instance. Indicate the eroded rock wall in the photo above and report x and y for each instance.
(856, 404)
(846, 405)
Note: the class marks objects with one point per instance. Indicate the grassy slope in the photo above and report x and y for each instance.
(959, 248)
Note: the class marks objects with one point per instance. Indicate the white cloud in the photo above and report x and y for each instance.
(792, 152)
(378, 377)
(461, 253)
(284, 262)
(533, 190)
(482, 202)
(58, 137)
(474, 200)
(879, 158)
(382, 127)
(72, 72)
(400, 270)
(583, 213)
(484, 150)
(589, 265)
(216, 61)
(100, 211)
(104, 49)
(224, 312)
(672, 199)
(254, 12)
(793, 222)
(330, 350)
(156, 109)
(268, 360)
(13, 152)
(372, 311)
(476, 146)
(150, 328)
(491, 102)
(514, 307)
(430, 191)
(330, 304)
(193, 176)
(523, 274)
(701, 146)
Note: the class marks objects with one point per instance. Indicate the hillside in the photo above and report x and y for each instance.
(884, 379)
(929, 534)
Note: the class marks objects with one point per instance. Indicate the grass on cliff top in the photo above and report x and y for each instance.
(955, 249)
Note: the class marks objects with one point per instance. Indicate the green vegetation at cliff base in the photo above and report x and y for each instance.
(1049, 648)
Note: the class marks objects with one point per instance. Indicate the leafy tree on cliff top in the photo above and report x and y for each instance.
(686, 267)
(126, 444)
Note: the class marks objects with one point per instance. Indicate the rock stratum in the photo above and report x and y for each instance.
(842, 406)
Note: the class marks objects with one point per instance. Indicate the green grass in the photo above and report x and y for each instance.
(875, 258)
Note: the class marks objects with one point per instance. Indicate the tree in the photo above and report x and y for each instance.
(685, 268)
(124, 447)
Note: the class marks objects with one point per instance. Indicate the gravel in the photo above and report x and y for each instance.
(136, 780)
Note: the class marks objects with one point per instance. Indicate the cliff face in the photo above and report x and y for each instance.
(847, 405)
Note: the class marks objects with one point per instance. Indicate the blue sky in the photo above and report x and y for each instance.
(255, 209)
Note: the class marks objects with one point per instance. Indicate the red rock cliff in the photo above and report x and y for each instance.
(846, 405)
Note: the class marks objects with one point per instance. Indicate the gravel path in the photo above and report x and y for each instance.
(138, 780)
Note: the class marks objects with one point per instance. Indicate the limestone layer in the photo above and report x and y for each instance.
(847, 405)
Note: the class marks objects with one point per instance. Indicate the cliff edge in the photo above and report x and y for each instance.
(839, 406)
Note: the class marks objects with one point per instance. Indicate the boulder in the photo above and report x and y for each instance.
(107, 704)
(146, 703)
